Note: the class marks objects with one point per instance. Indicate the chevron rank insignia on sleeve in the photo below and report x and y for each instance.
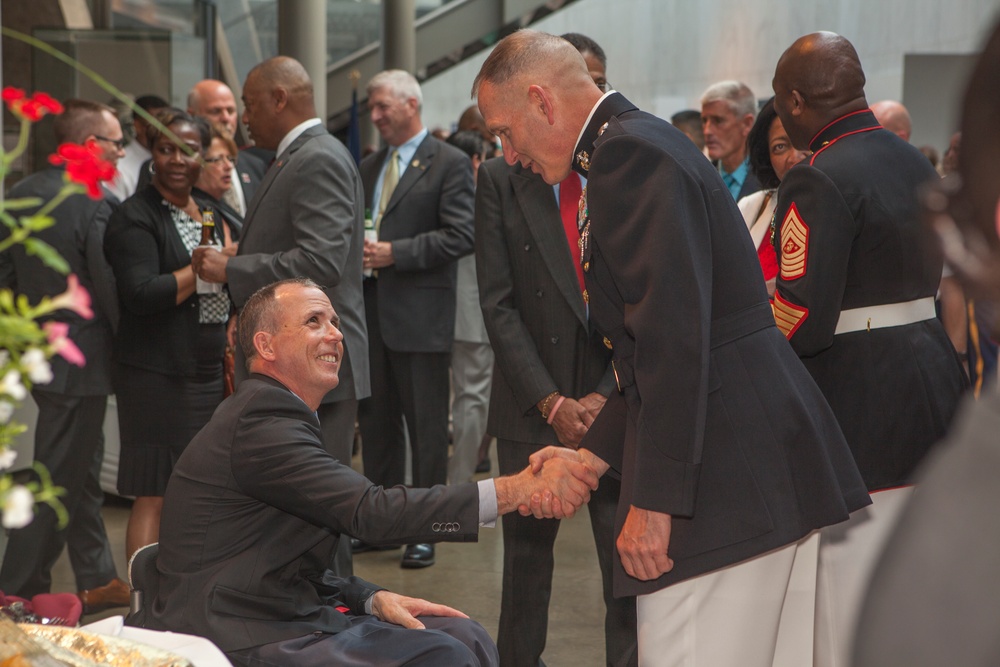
(794, 245)
(787, 315)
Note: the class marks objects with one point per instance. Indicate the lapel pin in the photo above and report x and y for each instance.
(415, 163)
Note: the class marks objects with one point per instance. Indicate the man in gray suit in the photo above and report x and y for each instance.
(305, 220)
(544, 343)
(68, 435)
(419, 191)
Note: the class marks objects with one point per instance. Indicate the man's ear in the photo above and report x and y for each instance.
(539, 100)
(262, 343)
(798, 103)
(280, 96)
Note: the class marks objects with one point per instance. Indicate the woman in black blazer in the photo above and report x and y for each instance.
(170, 342)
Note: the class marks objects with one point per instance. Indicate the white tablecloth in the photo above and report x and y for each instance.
(200, 651)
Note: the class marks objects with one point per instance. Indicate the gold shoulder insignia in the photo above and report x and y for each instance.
(787, 315)
(794, 245)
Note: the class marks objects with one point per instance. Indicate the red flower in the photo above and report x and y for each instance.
(33, 108)
(84, 166)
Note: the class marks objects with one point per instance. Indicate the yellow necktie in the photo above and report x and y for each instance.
(389, 184)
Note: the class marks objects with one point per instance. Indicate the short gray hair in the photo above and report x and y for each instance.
(739, 96)
(402, 84)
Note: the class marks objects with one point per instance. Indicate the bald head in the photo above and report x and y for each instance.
(277, 96)
(894, 117)
(817, 80)
(536, 56)
(214, 101)
(535, 93)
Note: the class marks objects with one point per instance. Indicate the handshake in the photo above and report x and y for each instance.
(556, 483)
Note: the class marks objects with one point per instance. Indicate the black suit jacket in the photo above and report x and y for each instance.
(532, 305)
(143, 247)
(252, 515)
(306, 220)
(719, 424)
(429, 220)
(78, 236)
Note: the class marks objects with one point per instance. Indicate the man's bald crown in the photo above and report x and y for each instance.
(825, 68)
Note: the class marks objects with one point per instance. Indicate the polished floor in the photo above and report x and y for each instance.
(467, 577)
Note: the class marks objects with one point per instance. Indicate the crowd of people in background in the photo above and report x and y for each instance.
(730, 314)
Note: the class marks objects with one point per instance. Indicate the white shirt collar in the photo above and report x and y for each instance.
(294, 133)
(586, 123)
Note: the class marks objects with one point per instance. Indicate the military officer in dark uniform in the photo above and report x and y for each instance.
(728, 454)
(855, 296)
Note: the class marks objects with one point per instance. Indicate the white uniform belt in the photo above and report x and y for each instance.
(886, 315)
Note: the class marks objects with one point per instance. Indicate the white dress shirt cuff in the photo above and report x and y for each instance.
(487, 503)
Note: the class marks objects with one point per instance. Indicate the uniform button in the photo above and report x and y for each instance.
(555, 339)
(586, 266)
(527, 247)
(586, 296)
(539, 294)
(607, 343)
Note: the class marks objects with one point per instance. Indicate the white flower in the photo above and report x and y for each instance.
(6, 411)
(34, 363)
(7, 458)
(11, 386)
(18, 507)
(4, 357)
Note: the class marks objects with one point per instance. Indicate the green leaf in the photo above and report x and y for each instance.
(49, 255)
(23, 202)
(37, 223)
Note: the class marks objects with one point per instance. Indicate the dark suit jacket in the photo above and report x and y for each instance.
(894, 389)
(719, 424)
(429, 221)
(531, 301)
(252, 515)
(307, 220)
(143, 247)
(78, 236)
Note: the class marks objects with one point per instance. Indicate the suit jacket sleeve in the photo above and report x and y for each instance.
(319, 190)
(105, 295)
(811, 213)
(656, 238)
(512, 343)
(278, 459)
(453, 237)
(132, 248)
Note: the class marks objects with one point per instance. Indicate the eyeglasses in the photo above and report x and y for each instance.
(119, 143)
(605, 87)
(220, 158)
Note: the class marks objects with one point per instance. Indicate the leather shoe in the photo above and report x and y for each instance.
(113, 594)
(359, 547)
(417, 556)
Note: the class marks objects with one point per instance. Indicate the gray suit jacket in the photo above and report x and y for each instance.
(532, 305)
(306, 220)
(429, 222)
(78, 235)
(252, 515)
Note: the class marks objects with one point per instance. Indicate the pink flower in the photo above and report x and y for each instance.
(84, 165)
(75, 298)
(56, 332)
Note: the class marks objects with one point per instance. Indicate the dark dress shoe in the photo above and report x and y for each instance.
(483, 466)
(417, 556)
(113, 594)
(359, 547)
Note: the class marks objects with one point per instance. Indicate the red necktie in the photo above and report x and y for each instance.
(569, 206)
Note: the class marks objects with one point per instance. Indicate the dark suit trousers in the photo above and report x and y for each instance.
(413, 385)
(527, 574)
(447, 642)
(69, 441)
(336, 420)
